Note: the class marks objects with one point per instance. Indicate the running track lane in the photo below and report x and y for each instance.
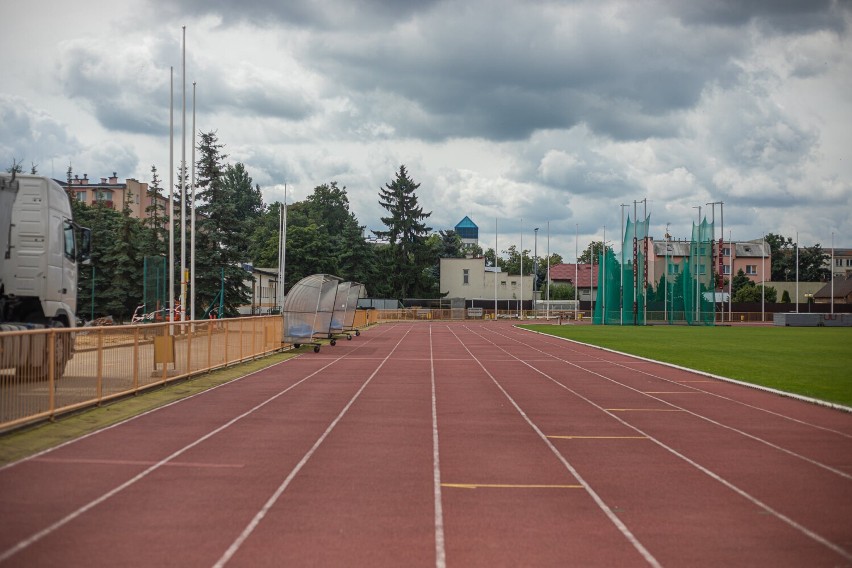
(546, 456)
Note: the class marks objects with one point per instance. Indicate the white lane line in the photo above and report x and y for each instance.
(440, 551)
(777, 514)
(631, 538)
(71, 516)
(743, 433)
(235, 546)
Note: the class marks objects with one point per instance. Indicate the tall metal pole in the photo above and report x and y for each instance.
(621, 291)
(763, 279)
(832, 272)
(797, 272)
(192, 217)
(635, 269)
(183, 278)
(521, 305)
(171, 198)
(712, 262)
(495, 268)
(695, 263)
(645, 261)
(547, 307)
(666, 276)
(603, 269)
(576, 269)
(731, 279)
(535, 267)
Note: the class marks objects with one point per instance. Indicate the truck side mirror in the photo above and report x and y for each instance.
(84, 252)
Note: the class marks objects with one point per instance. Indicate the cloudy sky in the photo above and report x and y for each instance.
(526, 112)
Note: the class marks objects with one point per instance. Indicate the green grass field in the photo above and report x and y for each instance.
(815, 362)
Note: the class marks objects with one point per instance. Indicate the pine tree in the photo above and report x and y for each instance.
(408, 256)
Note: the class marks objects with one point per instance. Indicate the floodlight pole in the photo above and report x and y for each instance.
(832, 272)
(645, 261)
(797, 272)
(521, 305)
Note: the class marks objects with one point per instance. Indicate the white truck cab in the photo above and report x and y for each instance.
(39, 257)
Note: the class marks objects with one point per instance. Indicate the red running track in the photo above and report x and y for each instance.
(447, 444)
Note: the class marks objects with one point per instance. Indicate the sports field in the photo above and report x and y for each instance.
(814, 362)
(446, 444)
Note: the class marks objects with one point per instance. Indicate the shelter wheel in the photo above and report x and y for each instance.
(348, 338)
(316, 348)
(357, 333)
(333, 342)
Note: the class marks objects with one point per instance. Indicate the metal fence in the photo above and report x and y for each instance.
(115, 361)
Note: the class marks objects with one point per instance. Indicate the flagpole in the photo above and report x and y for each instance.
(192, 218)
(797, 272)
(183, 187)
(547, 306)
(521, 307)
(495, 268)
(171, 198)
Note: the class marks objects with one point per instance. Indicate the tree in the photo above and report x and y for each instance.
(592, 253)
(561, 292)
(812, 264)
(406, 231)
(782, 250)
(751, 293)
(785, 297)
(156, 219)
(739, 281)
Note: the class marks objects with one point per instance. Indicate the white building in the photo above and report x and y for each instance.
(470, 279)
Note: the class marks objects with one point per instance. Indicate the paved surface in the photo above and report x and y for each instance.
(460, 444)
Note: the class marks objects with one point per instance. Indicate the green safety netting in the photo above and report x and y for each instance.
(621, 297)
(684, 293)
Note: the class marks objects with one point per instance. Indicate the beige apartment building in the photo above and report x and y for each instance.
(111, 193)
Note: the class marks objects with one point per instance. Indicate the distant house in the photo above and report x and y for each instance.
(842, 291)
(113, 194)
(583, 276)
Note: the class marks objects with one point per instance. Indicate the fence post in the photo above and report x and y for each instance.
(51, 371)
(209, 343)
(189, 339)
(136, 359)
(100, 376)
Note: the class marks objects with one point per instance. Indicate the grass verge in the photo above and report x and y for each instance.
(811, 361)
(19, 444)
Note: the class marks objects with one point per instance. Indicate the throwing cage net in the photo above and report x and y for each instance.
(684, 292)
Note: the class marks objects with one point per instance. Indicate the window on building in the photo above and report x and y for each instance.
(726, 269)
(502, 283)
(838, 262)
(702, 269)
(466, 276)
(849, 262)
(751, 269)
(514, 283)
(726, 251)
(674, 268)
(81, 196)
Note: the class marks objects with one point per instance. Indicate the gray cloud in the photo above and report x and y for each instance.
(31, 136)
